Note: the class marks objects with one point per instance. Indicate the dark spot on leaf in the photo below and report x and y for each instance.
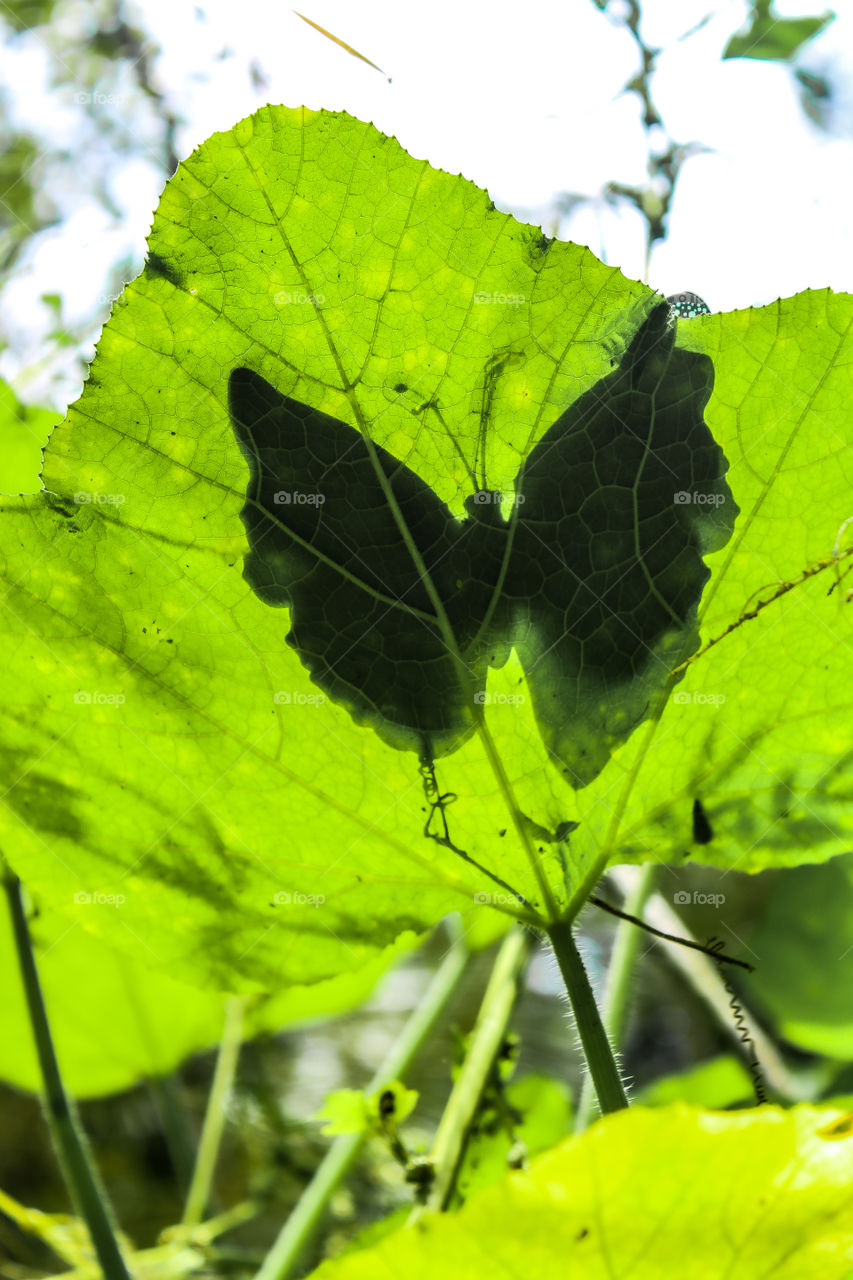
(536, 250)
(564, 829)
(702, 831)
(157, 267)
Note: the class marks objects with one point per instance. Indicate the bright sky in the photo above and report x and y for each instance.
(524, 99)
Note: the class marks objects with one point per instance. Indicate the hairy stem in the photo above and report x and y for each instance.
(615, 1005)
(596, 1046)
(87, 1192)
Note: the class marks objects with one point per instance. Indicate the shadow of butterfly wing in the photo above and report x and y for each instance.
(618, 502)
(324, 541)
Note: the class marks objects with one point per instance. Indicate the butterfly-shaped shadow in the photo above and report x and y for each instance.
(595, 577)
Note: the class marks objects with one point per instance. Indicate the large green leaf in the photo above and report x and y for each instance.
(650, 1193)
(165, 743)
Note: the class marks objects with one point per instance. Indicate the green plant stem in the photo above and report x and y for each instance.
(303, 1222)
(488, 1034)
(87, 1192)
(596, 1046)
(629, 938)
(214, 1117)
